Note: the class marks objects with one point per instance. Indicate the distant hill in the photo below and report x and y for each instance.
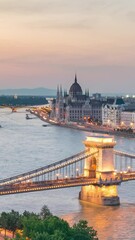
(29, 92)
(22, 100)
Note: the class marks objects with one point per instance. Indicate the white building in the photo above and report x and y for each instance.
(111, 113)
(128, 119)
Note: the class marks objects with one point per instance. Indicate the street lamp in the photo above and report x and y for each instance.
(129, 169)
(57, 176)
(122, 124)
(77, 172)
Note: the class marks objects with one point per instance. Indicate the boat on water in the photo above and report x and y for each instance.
(28, 117)
(44, 125)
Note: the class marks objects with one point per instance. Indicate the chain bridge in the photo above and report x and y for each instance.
(98, 168)
(70, 172)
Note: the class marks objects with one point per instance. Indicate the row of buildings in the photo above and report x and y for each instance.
(75, 106)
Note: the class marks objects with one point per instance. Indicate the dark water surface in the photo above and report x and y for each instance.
(26, 145)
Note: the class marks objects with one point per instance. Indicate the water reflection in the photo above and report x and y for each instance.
(26, 145)
(111, 223)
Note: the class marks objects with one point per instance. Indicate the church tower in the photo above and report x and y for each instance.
(59, 104)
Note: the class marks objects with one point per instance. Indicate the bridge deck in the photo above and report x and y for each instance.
(45, 185)
(54, 184)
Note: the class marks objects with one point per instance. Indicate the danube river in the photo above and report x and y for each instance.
(26, 145)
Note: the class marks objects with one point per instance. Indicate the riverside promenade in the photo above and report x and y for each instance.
(81, 127)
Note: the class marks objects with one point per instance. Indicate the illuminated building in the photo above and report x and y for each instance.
(100, 166)
(74, 106)
(111, 112)
(78, 107)
(128, 118)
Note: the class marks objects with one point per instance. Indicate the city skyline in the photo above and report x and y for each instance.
(44, 43)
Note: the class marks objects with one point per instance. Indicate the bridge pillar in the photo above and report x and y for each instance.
(101, 167)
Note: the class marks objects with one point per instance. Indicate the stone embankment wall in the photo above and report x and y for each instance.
(94, 129)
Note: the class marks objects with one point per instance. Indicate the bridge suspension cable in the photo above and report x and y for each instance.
(124, 154)
(46, 169)
(68, 172)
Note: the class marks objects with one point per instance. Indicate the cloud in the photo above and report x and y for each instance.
(25, 6)
(57, 6)
(54, 13)
(77, 14)
(63, 23)
(131, 16)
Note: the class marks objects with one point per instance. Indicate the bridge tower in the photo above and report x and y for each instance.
(100, 166)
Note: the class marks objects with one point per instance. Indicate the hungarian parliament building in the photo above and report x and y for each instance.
(75, 106)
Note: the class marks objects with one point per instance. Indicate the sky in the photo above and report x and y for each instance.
(43, 43)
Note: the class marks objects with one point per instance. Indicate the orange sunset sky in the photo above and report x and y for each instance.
(45, 42)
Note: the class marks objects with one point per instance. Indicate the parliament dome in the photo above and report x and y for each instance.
(75, 89)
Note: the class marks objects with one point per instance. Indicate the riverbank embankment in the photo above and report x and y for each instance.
(83, 127)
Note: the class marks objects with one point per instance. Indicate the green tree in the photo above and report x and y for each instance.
(58, 235)
(45, 227)
(13, 221)
(28, 214)
(81, 231)
(54, 223)
(45, 212)
(31, 225)
(4, 221)
(42, 236)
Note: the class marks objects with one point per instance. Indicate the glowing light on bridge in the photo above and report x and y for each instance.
(100, 139)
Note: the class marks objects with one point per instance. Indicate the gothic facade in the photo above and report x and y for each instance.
(74, 106)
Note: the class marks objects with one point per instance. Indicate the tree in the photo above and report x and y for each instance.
(58, 235)
(42, 236)
(31, 225)
(45, 212)
(10, 221)
(4, 221)
(54, 224)
(28, 214)
(13, 221)
(45, 227)
(81, 230)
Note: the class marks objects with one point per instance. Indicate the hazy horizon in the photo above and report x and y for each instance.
(44, 43)
(53, 92)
